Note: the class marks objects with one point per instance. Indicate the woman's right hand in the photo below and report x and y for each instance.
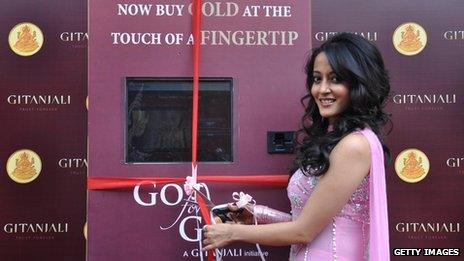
(217, 236)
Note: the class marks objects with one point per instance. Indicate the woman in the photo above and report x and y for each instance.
(337, 192)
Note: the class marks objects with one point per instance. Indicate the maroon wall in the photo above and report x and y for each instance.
(426, 109)
(44, 219)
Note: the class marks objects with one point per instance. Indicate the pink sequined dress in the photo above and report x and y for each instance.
(347, 236)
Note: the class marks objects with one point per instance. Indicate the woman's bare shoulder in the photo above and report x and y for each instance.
(354, 143)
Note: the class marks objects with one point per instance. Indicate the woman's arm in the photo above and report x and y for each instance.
(252, 214)
(267, 215)
(349, 163)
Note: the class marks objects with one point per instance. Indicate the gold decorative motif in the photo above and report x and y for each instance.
(409, 38)
(85, 230)
(412, 165)
(24, 166)
(25, 39)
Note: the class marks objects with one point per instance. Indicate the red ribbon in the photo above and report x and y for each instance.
(196, 25)
(107, 183)
(203, 209)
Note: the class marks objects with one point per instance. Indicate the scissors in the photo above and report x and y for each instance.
(219, 213)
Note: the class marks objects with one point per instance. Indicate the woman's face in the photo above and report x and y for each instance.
(331, 95)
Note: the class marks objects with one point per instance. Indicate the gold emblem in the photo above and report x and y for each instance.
(409, 38)
(85, 229)
(23, 166)
(412, 165)
(25, 39)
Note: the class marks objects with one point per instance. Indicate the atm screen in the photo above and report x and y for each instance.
(159, 119)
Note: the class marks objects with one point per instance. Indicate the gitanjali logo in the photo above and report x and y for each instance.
(74, 165)
(32, 99)
(35, 230)
(38, 102)
(189, 206)
(74, 36)
(67, 163)
(429, 229)
(455, 162)
(425, 102)
(74, 39)
(24, 228)
(424, 98)
(323, 36)
(453, 35)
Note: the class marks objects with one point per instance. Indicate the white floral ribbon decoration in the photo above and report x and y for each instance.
(191, 184)
(242, 199)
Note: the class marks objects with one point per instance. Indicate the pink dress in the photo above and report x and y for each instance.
(360, 230)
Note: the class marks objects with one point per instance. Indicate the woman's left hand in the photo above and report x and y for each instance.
(216, 236)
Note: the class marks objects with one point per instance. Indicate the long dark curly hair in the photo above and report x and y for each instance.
(358, 63)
